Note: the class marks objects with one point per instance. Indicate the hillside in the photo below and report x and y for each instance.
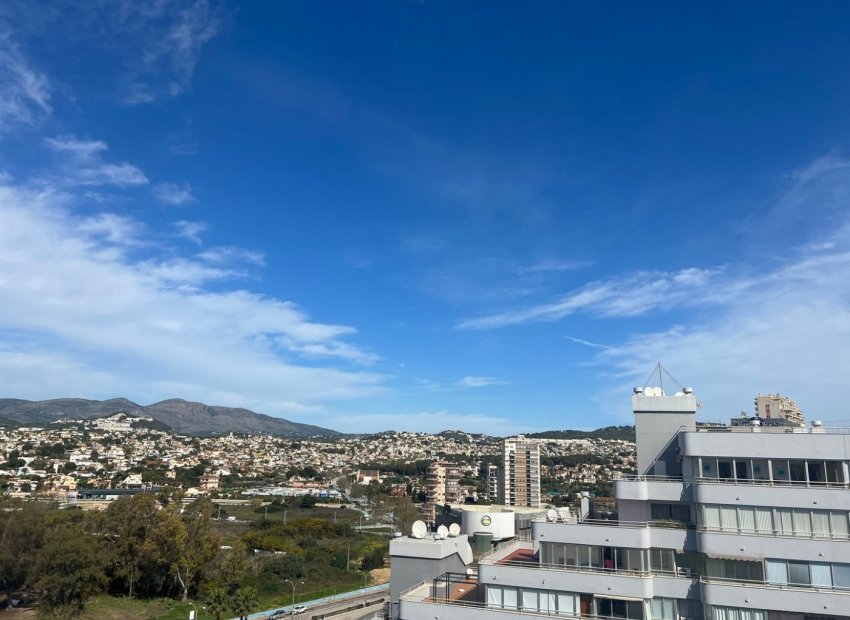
(626, 433)
(184, 417)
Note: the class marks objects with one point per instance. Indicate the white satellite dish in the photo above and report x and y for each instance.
(454, 529)
(442, 531)
(419, 529)
(551, 515)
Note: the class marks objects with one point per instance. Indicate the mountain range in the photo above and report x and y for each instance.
(184, 417)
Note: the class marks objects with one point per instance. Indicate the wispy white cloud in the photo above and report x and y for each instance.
(471, 381)
(174, 194)
(83, 164)
(175, 34)
(190, 229)
(633, 295)
(782, 329)
(107, 323)
(230, 254)
(587, 343)
(24, 92)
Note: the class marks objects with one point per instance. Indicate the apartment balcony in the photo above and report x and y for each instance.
(748, 544)
(803, 600)
(609, 533)
(517, 565)
(825, 496)
(652, 488)
(737, 441)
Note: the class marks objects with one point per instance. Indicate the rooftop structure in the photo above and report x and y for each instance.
(720, 523)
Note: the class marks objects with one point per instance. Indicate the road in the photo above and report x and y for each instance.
(334, 603)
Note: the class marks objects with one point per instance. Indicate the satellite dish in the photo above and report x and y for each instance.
(442, 531)
(419, 529)
(551, 515)
(454, 529)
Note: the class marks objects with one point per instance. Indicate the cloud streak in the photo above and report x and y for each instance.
(24, 92)
(471, 381)
(629, 296)
(82, 317)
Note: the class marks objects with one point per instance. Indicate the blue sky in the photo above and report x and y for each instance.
(425, 215)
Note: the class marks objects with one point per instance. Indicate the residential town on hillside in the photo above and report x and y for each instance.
(123, 452)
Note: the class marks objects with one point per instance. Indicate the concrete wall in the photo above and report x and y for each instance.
(657, 421)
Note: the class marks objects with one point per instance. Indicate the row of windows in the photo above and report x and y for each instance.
(808, 574)
(541, 601)
(788, 471)
(788, 521)
(607, 558)
(736, 613)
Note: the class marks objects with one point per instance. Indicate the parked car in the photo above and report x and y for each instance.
(278, 615)
(299, 609)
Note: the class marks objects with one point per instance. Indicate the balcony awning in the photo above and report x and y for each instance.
(617, 597)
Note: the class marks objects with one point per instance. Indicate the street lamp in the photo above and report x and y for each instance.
(292, 583)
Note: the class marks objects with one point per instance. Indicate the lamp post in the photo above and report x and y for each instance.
(284, 517)
(292, 583)
(293, 590)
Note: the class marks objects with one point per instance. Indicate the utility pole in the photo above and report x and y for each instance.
(348, 557)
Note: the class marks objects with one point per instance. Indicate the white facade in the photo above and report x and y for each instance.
(744, 523)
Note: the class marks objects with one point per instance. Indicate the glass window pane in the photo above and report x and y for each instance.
(529, 600)
(747, 518)
(509, 598)
(567, 604)
(802, 523)
(711, 516)
(841, 575)
(764, 520)
(560, 555)
(777, 572)
(820, 523)
(821, 575)
(798, 573)
(785, 521)
(838, 523)
(728, 518)
(494, 596)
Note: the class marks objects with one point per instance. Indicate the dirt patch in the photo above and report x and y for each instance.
(380, 575)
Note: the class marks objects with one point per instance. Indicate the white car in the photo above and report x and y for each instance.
(299, 609)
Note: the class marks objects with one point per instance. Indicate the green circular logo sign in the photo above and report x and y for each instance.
(486, 520)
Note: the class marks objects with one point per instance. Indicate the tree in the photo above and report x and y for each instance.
(69, 569)
(128, 523)
(21, 536)
(245, 601)
(217, 603)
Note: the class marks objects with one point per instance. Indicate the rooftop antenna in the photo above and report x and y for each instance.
(660, 372)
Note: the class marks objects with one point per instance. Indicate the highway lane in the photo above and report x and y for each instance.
(335, 603)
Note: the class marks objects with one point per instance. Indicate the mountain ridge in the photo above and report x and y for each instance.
(184, 417)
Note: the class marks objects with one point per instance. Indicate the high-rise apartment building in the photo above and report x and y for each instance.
(520, 474)
(492, 483)
(774, 406)
(738, 522)
(442, 486)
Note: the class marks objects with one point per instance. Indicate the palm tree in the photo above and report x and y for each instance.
(244, 601)
(217, 603)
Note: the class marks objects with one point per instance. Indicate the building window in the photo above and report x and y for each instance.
(663, 609)
(617, 608)
(736, 613)
(670, 512)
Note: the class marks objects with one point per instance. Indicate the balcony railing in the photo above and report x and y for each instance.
(737, 481)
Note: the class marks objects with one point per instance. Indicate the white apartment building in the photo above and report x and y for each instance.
(774, 406)
(720, 523)
(520, 474)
